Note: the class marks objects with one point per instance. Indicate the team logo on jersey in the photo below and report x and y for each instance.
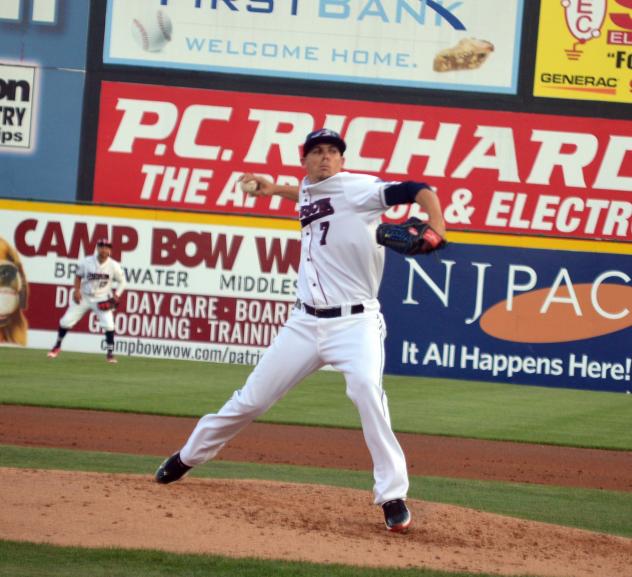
(97, 276)
(318, 209)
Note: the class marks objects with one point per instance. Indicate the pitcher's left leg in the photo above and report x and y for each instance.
(356, 347)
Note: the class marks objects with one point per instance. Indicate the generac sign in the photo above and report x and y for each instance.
(494, 171)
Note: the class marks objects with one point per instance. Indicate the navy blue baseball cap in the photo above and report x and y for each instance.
(104, 242)
(324, 135)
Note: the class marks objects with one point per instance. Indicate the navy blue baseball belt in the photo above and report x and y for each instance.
(330, 312)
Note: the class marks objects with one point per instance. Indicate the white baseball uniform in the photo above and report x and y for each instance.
(338, 281)
(96, 286)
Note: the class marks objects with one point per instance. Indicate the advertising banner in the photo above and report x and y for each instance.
(585, 50)
(42, 74)
(559, 317)
(218, 288)
(200, 288)
(416, 43)
(17, 93)
(494, 171)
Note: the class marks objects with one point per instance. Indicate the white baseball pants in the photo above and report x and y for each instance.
(75, 312)
(352, 344)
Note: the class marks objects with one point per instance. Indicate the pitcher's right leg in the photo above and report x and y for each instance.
(292, 356)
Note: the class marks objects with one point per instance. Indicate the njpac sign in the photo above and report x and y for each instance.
(559, 317)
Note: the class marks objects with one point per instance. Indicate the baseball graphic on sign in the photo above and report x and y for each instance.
(152, 30)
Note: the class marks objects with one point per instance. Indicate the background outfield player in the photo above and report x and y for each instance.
(93, 291)
(336, 320)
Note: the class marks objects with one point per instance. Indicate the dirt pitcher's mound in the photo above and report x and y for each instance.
(290, 522)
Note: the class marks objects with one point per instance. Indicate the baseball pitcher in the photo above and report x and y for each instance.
(336, 320)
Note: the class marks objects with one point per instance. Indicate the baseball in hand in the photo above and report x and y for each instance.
(249, 185)
(152, 31)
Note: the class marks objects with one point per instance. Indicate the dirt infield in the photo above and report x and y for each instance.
(301, 522)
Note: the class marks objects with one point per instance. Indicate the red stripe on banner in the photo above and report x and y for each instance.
(184, 148)
(169, 316)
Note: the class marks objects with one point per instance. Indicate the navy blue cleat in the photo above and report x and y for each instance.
(171, 470)
(396, 515)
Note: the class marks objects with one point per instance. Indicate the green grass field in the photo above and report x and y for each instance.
(25, 560)
(457, 408)
(418, 405)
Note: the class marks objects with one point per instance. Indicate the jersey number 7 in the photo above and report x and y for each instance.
(324, 226)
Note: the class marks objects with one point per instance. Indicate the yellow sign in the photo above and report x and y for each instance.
(585, 50)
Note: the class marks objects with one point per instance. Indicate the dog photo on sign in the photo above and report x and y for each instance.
(13, 296)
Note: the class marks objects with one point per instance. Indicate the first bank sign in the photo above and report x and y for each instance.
(342, 9)
(42, 11)
(394, 42)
